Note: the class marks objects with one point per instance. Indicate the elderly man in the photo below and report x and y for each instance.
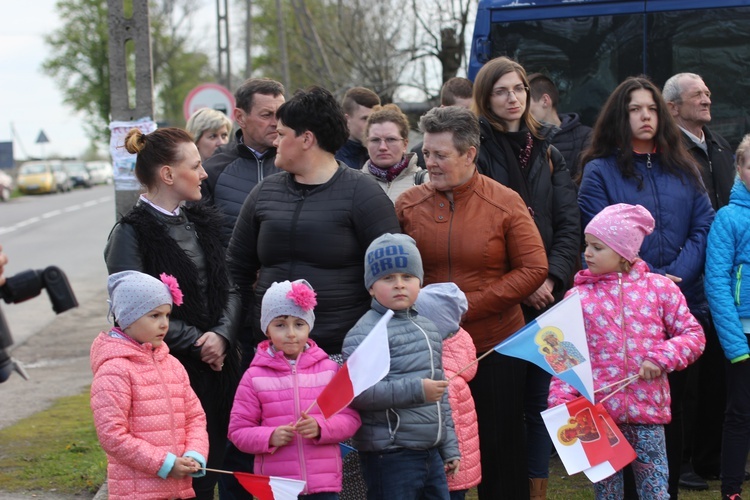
(689, 102)
(235, 169)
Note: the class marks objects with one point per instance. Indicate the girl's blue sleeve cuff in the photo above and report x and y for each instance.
(198, 458)
(166, 467)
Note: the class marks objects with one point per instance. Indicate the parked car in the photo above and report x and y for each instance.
(6, 186)
(45, 176)
(78, 173)
(101, 172)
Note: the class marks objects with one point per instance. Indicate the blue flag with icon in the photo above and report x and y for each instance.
(556, 342)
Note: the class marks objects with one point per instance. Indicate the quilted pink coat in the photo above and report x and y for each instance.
(458, 352)
(144, 409)
(274, 392)
(630, 318)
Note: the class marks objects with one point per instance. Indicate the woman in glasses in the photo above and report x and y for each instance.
(387, 138)
(514, 152)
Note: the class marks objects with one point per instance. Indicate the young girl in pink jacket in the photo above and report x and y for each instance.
(286, 375)
(148, 419)
(637, 325)
(444, 304)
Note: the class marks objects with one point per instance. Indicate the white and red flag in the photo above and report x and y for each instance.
(587, 439)
(270, 487)
(367, 365)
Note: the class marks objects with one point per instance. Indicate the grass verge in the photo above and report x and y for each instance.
(56, 449)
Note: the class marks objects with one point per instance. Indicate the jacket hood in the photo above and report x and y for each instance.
(740, 194)
(275, 360)
(637, 271)
(106, 347)
(568, 121)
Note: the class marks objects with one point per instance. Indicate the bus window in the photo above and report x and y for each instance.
(712, 43)
(585, 57)
(587, 48)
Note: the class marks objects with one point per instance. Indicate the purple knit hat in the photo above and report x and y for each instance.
(622, 228)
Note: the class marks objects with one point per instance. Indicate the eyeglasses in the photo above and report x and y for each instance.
(389, 141)
(503, 93)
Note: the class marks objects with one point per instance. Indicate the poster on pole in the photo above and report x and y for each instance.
(124, 162)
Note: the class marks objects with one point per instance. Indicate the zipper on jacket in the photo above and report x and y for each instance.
(737, 286)
(655, 194)
(450, 233)
(169, 403)
(259, 162)
(297, 416)
(432, 376)
(624, 345)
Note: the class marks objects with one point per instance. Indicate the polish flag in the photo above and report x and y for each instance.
(270, 487)
(585, 436)
(366, 366)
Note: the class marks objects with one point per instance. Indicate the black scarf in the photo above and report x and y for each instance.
(520, 150)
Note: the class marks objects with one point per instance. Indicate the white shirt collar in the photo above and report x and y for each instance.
(158, 208)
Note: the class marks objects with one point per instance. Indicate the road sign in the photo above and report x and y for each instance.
(208, 95)
(42, 138)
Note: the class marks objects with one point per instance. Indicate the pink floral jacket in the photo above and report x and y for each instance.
(629, 318)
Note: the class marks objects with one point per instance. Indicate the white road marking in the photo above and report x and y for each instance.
(53, 213)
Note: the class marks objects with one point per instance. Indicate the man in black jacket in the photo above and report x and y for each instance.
(235, 169)
(567, 133)
(689, 102)
(358, 103)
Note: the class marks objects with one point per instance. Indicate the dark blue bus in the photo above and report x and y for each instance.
(588, 46)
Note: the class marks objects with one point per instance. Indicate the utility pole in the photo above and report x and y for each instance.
(222, 41)
(282, 47)
(249, 40)
(121, 30)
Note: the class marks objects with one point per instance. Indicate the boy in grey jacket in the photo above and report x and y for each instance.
(407, 440)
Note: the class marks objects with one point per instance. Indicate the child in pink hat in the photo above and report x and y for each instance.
(637, 325)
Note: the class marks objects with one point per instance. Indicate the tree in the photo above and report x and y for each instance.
(79, 60)
(335, 43)
(384, 45)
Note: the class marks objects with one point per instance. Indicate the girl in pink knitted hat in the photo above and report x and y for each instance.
(638, 328)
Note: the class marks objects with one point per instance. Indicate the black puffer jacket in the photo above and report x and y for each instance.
(232, 173)
(554, 202)
(570, 138)
(353, 153)
(717, 168)
(283, 233)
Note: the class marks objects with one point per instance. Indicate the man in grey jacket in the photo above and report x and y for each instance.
(235, 169)
(407, 439)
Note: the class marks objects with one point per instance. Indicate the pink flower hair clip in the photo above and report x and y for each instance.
(303, 296)
(174, 287)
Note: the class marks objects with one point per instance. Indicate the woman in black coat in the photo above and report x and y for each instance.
(514, 153)
(162, 235)
(313, 221)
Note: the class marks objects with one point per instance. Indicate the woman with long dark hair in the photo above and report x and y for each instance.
(637, 156)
